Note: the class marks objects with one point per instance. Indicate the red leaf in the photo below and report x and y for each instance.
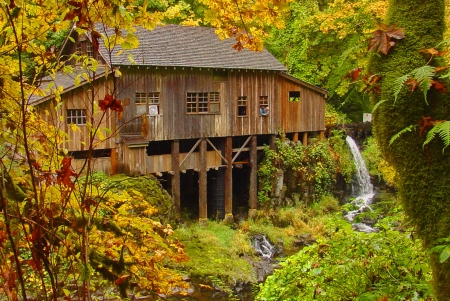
(354, 74)
(63, 175)
(95, 36)
(381, 41)
(413, 83)
(34, 264)
(110, 103)
(121, 279)
(438, 86)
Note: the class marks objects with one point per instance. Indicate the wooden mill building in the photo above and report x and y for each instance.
(191, 114)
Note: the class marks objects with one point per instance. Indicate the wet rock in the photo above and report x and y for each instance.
(304, 240)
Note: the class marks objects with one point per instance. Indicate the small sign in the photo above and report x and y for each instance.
(367, 117)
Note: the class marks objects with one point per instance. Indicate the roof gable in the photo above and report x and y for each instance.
(192, 46)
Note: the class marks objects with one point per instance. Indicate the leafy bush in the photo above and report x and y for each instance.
(316, 165)
(349, 265)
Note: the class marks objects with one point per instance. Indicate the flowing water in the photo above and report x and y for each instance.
(362, 188)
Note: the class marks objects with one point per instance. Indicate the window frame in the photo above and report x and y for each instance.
(294, 98)
(242, 102)
(77, 115)
(201, 103)
(146, 99)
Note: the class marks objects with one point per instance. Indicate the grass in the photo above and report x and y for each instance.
(221, 251)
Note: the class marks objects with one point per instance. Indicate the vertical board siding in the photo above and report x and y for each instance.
(173, 84)
(307, 115)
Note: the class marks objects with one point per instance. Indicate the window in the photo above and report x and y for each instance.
(89, 51)
(264, 105)
(202, 102)
(242, 106)
(147, 103)
(76, 116)
(294, 96)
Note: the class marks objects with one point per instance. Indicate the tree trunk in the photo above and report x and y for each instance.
(423, 174)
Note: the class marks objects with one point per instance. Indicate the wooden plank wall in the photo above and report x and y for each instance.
(82, 98)
(138, 163)
(307, 115)
(173, 121)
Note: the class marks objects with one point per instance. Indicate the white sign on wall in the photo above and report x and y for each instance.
(367, 117)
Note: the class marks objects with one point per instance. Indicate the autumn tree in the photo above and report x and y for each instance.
(325, 43)
(423, 172)
(60, 227)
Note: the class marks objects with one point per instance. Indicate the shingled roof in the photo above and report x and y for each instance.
(192, 46)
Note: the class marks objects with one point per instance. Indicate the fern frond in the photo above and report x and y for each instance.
(378, 104)
(398, 85)
(405, 130)
(443, 130)
(424, 75)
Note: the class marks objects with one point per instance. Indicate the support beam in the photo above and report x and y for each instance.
(295, 137)
(202, 182)
(305, 139)
(322, 135)
(272, 140)
(253, 202)
(176, 196)
(229, 180)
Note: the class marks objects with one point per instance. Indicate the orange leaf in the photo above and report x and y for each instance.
(439, 86)
(121, 279)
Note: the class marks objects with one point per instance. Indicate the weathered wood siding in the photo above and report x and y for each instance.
(173, 84)
(306, 115)
(138, 163)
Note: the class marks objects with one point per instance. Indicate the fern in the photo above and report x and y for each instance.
(398, 85)
(378, 104)
(443, 130)
(405, 130)
(424, 76)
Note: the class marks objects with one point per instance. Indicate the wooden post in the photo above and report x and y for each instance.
(229, 180)
(113, 158)
(295, 137)
(202, 182)
(272, 140)
(176, 182)
(322, 135)
(305, 139)
(253, 193)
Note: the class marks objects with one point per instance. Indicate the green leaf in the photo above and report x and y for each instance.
(445, 254)
(378, 104)
(441, 129)
(424, 75)
(66, 292)
(407, 129)
(398, 85)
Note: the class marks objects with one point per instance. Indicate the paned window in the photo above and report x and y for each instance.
(147, 103)
(242, 106)
(294, 96)
(202, 102)
(264, 105)
(76, 116)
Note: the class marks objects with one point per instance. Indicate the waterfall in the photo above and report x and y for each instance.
(263, 247)
(362, 189)
(363, 185)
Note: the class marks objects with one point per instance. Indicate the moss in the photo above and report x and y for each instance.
(423, 175)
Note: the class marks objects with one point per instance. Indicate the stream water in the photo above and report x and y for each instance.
(362, 188)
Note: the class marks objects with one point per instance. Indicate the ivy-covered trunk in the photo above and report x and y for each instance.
(423, 173)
